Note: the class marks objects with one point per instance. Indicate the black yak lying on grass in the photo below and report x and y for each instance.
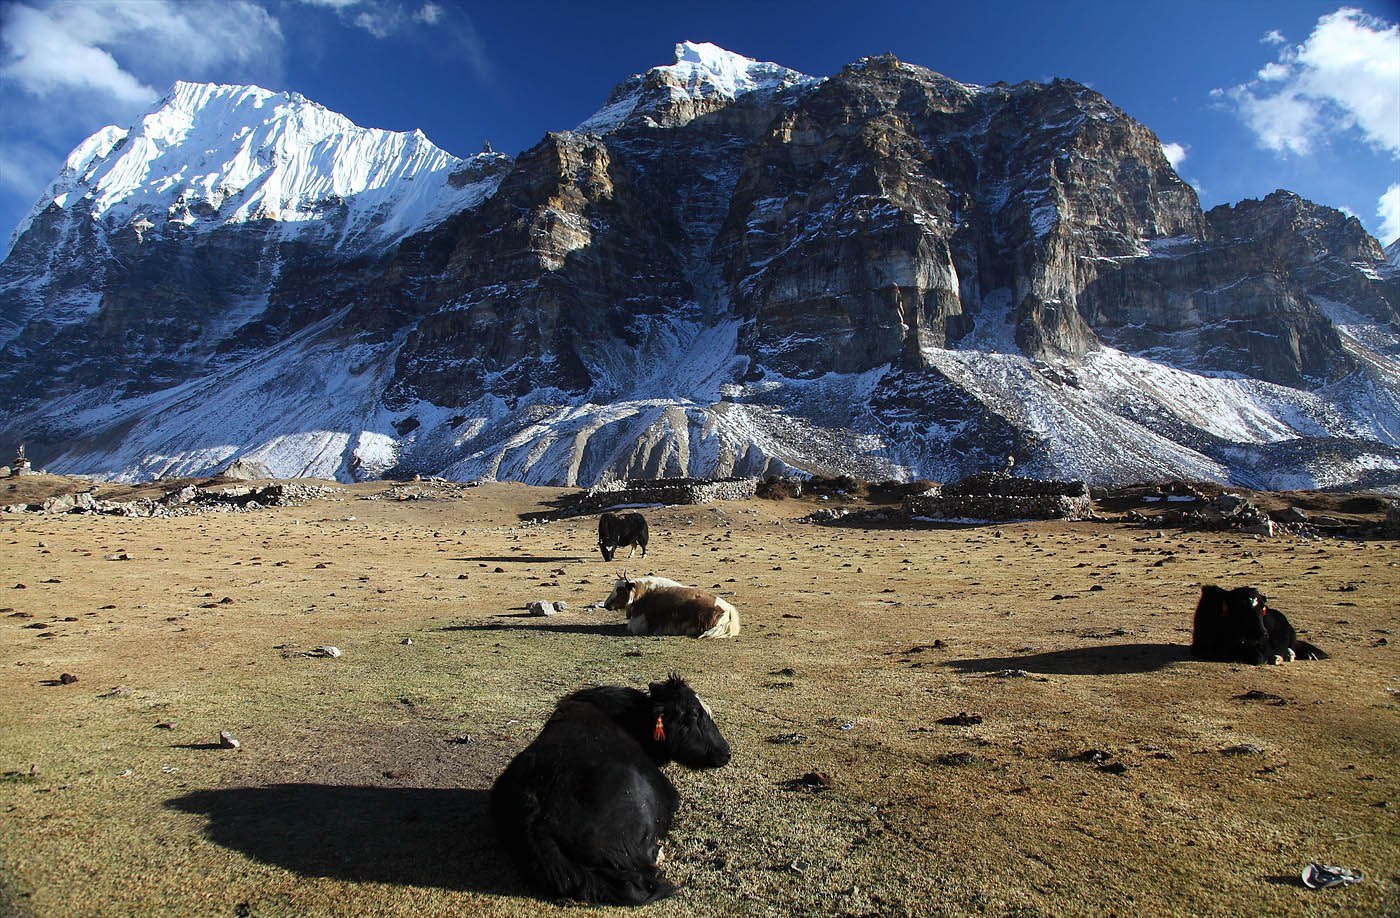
(584, 808)
(1237, 626)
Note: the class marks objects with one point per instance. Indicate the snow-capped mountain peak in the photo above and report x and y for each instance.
(704, 76)
(705, 69)
(209, 155)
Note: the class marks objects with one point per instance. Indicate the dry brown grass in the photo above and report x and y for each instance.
(347, 797)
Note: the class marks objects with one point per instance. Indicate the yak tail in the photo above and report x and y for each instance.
(618, 886)
(728, 624)
(1306, 651)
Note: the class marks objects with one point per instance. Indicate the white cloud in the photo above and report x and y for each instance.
(1273, 37)
(44, 58)
(1345, 77)
(429, 14)
(68, 68)
(1175, 153)
(1388, 207)
(376, 23)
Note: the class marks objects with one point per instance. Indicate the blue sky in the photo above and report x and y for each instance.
(1248, 96)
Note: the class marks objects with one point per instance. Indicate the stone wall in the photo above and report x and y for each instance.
(186, 501)
(1003, 497)
(666, 491)
(1002, 485)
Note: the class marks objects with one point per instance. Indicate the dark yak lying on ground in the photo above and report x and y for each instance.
(1237, 626)
(616, 530)
(584, 808)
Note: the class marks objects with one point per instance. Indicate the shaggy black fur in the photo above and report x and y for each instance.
(1238, 626)
(584, 808)
(618, 530)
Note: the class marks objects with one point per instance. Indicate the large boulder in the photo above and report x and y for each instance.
(244, 469)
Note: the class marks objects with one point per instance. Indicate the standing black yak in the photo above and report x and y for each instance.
(584, 808)
(1237, 626)
(616, 530)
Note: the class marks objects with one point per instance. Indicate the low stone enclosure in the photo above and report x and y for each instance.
(665, 491)
(186, 501)
(996, 496)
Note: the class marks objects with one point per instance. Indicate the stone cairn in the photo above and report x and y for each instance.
(21, 465)
(999, 496)
(665, 491)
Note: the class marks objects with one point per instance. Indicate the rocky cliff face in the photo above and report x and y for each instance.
(731, 268)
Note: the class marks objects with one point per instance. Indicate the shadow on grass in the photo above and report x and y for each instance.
(1114, 659)
(415, 836)
(526, 559)
(556, 627)
(1285, 880)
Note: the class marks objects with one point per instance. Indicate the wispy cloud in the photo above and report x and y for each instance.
(1344, 78)
(449, 24)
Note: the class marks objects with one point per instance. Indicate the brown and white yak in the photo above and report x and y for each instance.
(656, 605)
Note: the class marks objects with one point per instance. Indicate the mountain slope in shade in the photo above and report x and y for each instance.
(732, 268)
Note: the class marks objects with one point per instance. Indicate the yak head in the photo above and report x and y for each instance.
(1245, 609)
(682, 729)
(621, 596)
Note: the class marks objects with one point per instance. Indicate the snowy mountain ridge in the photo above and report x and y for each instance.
(211, 155)
(731, 268)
